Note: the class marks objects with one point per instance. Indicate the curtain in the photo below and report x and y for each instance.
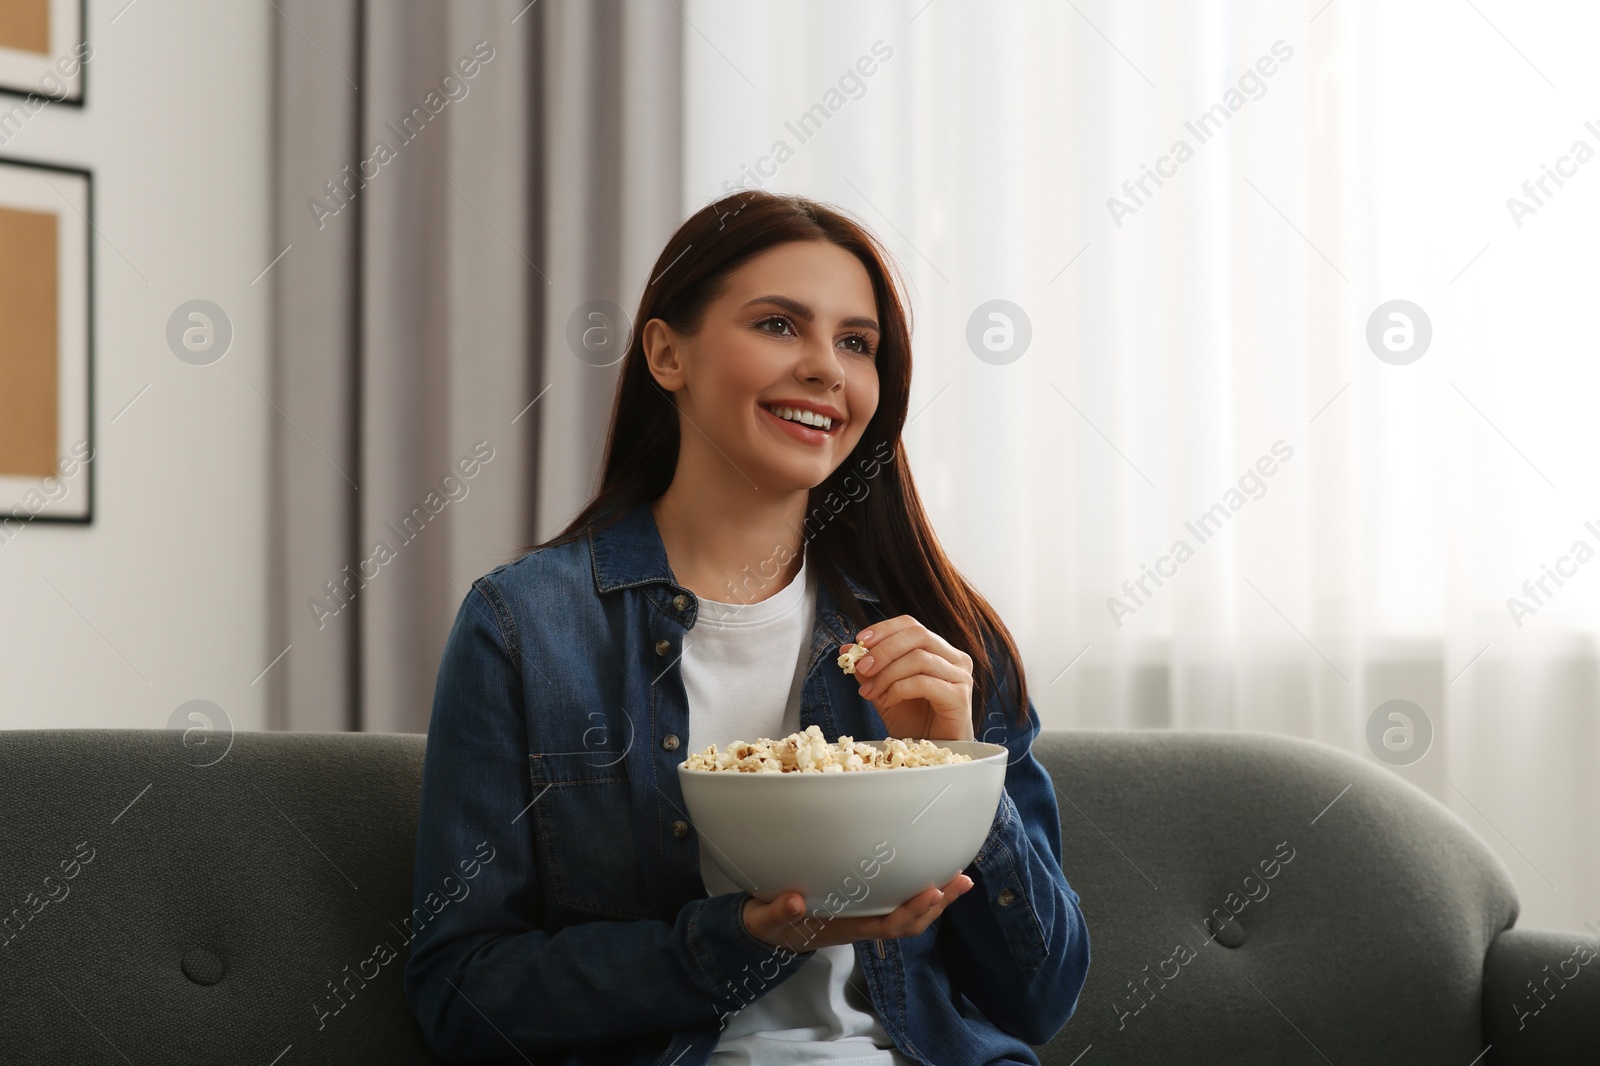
(615, 172)
(1162, 413)
(452, 180)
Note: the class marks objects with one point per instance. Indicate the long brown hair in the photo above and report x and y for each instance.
(884, 535)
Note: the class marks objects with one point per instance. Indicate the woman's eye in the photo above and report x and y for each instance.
(865, 344)
(862, 343)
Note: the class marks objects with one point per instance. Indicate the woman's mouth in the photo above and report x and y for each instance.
(801, 424)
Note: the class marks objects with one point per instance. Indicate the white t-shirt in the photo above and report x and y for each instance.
(744, 666)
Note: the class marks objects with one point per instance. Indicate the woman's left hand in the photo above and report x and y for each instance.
(919, 683)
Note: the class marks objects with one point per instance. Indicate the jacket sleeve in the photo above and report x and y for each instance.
(1017, 945)
(481, 973)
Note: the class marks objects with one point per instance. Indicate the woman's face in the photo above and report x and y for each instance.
(795, 328)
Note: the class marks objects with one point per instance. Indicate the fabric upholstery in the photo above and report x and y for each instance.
(285, 862)
(1541, 996)
(211, 910)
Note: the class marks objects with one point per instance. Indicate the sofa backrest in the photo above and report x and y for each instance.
(1254, 898)
(207, 913)
(226, 901)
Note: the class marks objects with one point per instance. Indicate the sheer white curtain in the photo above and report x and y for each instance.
(1199, 347)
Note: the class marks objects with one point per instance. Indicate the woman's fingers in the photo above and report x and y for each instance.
(936, 695)
(771, 923)
(925, 911)
(774, 923)
(920, 913)
(952, 891)
(914, 916)
(880, 674)
(893, 637)
(907, 661)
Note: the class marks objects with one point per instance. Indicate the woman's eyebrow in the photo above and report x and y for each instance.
(800, 310)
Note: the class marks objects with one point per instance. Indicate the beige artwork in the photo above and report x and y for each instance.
(25, 25)
(29, 404)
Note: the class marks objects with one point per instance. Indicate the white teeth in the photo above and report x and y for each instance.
(807, 418)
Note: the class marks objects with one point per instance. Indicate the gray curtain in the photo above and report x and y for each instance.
(453, 182)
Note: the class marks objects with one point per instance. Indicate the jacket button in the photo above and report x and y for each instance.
(663, 646)
(1005, 897)
(670, 742)
(680, 829)
(680, 601)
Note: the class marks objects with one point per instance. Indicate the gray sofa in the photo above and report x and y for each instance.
(161, 910)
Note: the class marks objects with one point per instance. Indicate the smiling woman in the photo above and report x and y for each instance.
(763, 371)
(766, 385)
(760, 302)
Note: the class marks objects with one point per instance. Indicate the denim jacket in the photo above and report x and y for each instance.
(560, 916)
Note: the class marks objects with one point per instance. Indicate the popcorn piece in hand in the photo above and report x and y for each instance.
(848, 660)
(810, 752)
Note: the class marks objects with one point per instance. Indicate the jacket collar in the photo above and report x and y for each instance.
(629, 553)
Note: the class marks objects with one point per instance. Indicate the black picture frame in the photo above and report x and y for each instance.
(15, 511)
(13, 86)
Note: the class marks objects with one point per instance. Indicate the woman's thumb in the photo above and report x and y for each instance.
(771, 917)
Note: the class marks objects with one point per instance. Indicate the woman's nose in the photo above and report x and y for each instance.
(821, 364)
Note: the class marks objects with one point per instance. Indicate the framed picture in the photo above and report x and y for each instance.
(43, 49)
(46, 372)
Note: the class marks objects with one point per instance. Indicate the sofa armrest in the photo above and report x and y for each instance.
(1541, 996)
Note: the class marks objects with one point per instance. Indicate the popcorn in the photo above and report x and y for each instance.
(848, 660)
(810, 752)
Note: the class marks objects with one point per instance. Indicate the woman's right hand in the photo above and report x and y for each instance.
(784, 923)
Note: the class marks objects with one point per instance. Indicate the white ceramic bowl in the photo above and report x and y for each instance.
(859, 842)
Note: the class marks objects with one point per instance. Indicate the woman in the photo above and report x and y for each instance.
(756, 514)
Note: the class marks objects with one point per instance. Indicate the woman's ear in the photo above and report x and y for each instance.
(663, 354)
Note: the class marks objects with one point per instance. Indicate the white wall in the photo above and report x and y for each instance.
(163, 597)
